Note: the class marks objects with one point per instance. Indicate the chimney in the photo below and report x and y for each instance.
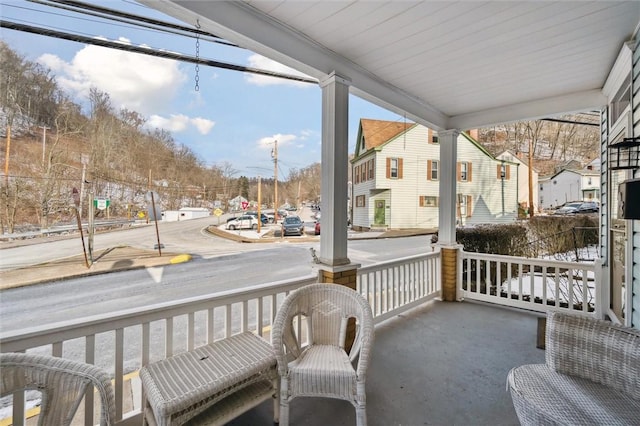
(473, 133)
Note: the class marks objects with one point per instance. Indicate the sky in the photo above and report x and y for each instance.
(233, 118)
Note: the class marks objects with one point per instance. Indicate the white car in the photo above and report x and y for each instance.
(243, 222)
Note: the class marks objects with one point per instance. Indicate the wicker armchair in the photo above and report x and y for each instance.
(323, 368)
(62, 382)
(591, 375)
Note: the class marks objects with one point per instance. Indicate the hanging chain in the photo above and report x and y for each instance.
(197, 88)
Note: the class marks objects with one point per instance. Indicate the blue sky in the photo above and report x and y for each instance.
(233, 118)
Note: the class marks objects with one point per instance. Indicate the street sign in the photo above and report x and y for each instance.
(101, 203)
(245, 204)
(218, 212)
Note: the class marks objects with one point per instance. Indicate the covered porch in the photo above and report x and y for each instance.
(434, 362)
(438, 364)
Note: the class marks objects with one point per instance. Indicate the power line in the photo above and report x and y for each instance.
(150, 52)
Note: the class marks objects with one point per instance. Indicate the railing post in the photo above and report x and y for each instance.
(602, 291)
(346, 275)
(449, 272)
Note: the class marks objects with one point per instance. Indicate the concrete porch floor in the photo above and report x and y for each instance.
(440, 364)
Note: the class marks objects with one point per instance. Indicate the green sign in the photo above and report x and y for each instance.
(101, 203)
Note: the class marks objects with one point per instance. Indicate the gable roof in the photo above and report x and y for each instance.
(378, 132)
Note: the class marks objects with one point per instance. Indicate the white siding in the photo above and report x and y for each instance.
(523, 180)
(493, 200)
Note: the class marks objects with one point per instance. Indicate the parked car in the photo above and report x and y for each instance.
(317, 228)
(292, 225)
(264, 218)
(243, 222)
(578, 207)
(589, 207)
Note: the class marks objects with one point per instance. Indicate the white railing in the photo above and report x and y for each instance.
(534, 284)
(124, 341)
(396, 286)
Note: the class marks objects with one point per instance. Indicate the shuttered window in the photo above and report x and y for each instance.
(433, 169)
(428, 201)
(503, 171)
(394, 168)
(464, 171)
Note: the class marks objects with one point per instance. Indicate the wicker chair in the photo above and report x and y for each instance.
(591, 375)
(62, 382)
(323, 368)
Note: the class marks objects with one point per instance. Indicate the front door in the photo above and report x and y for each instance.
(378, 215)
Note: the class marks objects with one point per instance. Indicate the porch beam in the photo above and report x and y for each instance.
(334, 164)
(448, 140)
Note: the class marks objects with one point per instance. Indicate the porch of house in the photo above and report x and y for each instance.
(433, 362)
(442, 363)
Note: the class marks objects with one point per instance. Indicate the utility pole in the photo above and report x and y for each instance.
(531, 213)
(6, 182)
(274, 154)
(44, 140)
(259, 204)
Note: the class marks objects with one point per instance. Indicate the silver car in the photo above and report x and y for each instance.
(243, 222)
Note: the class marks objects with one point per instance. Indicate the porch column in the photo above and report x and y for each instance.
(334, 164)
(334, 265)
(448, 140)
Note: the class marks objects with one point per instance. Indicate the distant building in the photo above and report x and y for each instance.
(523, 179)
(185, 213)
(569, 185)
(396, 172)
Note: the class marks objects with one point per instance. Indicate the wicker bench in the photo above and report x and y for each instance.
(212, 384)
(591, 375)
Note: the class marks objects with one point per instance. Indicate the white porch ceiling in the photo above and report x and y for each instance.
(444, 64)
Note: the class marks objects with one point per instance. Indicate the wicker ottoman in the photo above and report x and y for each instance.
(214, 383)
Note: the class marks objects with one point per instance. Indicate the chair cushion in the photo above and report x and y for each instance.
(323, 370)
(542, 396)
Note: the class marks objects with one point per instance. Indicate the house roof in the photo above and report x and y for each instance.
(378, 132)
(446, 65)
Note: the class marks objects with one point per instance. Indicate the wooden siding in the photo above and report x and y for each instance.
(402, 195)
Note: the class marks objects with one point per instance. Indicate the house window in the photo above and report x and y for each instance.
(464, 205)
(464, 171)
(621, 100)
(371, 166)
(356, 174)
(433, 169)
(428, 201)
(394, 168)
(360, 200)
(363, 172)
(504, 171)
(435, 139)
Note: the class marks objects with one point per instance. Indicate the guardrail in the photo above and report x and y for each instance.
(64, 229)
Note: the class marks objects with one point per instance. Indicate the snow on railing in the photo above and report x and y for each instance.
(534, 284)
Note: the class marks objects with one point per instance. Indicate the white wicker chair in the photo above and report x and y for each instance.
(591, 375)
(323, 368)
(62, 382)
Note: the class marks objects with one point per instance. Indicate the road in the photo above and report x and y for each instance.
(218, 265)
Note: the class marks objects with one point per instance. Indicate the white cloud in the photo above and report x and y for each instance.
(143, 83)
(180, 123)
(203, 125)
(259, 61)
(267, 142)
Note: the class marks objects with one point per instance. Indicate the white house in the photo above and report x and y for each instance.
(395, 173)
(569, 185)
(523, 179)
